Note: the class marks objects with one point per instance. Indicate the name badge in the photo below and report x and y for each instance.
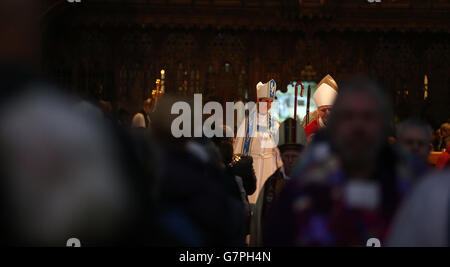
(362, 194)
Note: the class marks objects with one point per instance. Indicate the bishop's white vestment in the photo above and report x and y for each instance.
(257, 137)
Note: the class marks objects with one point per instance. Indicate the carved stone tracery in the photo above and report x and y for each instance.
(201, 54)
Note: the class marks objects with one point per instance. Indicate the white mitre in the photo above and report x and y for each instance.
(266, 90)
(326, 92)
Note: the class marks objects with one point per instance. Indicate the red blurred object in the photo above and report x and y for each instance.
(444, 159)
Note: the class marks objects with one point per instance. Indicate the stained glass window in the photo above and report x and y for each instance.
(286, 101)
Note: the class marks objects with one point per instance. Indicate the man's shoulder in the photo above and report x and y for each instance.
(312, 127)
(275, 177)
(275, 182)
(314, 123)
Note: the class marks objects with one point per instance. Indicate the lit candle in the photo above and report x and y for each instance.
(163, 76)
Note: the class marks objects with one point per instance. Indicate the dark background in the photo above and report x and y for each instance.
(115, 49)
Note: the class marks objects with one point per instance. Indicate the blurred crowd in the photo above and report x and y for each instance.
(71, 168)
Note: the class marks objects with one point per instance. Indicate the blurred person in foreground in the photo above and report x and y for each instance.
(414, 136)
(290, 151)
(241, 169)
(62, 174)
(423, 219)
(350, 181)
(198, 204)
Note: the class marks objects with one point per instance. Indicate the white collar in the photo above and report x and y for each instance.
(283, 172)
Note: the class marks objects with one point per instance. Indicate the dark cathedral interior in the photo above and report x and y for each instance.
(116, 49)
(339, 133)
